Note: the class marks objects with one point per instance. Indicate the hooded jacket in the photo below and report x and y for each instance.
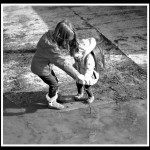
(47, 54)
(86, 65)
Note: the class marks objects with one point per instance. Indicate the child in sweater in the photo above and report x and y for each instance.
(50, 52)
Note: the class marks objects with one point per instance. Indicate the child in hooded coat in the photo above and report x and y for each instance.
(86, 65)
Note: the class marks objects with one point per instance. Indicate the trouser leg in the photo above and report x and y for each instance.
(52, 96)
(88, 90)
(79, 88)
(52, 91)
(52, 81)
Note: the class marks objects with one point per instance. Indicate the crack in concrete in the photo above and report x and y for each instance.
(104, 38)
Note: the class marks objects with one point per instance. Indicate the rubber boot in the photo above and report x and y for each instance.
(52, 103)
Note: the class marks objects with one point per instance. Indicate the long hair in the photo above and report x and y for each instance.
(63, 31)
(100, 58)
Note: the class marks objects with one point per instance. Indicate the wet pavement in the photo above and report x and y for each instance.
(112, 123)
(119, 112)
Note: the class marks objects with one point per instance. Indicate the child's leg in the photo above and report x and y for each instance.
(80, 88)
(88, 90)
(80, 91)
(52, 96)
(90, 93)
(52, 81)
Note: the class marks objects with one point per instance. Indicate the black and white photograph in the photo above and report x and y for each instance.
(74, 74)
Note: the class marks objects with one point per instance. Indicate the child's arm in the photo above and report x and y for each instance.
(54, 55)
(63, 63)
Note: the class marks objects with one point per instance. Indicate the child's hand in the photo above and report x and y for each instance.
(81, 78)
(87, 78)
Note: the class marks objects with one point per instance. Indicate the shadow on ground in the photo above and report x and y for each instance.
(28, 102)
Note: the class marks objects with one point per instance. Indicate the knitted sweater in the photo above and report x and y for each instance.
(48, 54)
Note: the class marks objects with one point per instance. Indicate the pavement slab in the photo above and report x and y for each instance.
(119, 112)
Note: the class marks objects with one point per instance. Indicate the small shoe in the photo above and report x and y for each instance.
(55, 105)
(90, 99)
(78, 96)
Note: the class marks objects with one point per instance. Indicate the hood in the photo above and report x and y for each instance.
(87, 45)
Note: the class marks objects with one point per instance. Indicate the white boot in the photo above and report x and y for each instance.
(53, 103)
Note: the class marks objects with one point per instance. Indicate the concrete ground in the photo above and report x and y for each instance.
(118, 116)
